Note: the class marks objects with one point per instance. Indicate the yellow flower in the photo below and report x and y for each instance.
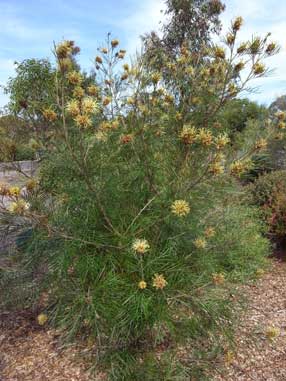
(188, 134)
(114, 43)
(221, 141)
(205, 137)
(218, 278)
(195, 100)
(280, 115)
(229, 357)
(239, 66)
(182, 59)
(261, 144)
(14, 191)
(200, 243)
(159, 282)
(83, 121)
(92, 90)
(104, 50)
(130, 101)
(255, 45)
(114, 124)
(141, 246)
(219, 52)
(258, 68)
(260, 273)
(178, 116)
(126, 67)
(124, 76)
(121, 55)
(239, 167)
(279, 136)
(101, 136)
(169, 98)
(270, 48)
(74, 77)
(125, 139)
(237, 23)
(155, 77)
(98, 59)
(73, 107)
(230, 38)
(272, 332)
(281, 125)
(106, 101)
(180, 208)
(142, 285)
(4, 190)
(89, 105)
(64, 49)
(42, 319)
(232, 89)
(189, 70)
(216, 168)
(50, 115)
(18, 207)
(65, 64)
(242, 48)
(78, 92)
(31, 185)
(209, 232)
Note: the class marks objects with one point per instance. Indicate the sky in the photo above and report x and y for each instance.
(29, 27)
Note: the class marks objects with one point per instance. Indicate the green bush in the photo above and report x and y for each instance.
(269, 192)
(24, 152)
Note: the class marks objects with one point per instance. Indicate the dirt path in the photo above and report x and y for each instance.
(259, 357)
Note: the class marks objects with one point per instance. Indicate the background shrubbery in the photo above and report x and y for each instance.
(269, 192)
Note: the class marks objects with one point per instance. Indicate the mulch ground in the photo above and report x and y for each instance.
(257, 356)
(29, 352)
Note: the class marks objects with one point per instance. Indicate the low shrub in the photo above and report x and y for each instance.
(269, 192)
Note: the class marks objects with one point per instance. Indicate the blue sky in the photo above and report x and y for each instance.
(29, 27)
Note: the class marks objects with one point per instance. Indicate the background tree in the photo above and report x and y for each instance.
(187, 20)
(279, 104)
(15, 143)
(31, 90)
(238, 112)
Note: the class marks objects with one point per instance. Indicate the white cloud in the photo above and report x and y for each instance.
(147, 17)
(261, 17)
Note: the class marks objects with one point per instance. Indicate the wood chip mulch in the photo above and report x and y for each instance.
(260, 339)
(29, 352)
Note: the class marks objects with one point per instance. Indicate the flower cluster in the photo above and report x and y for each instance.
(159, 282)
(188, 134)
(180, 208)
(218, 278)
(200, 243)
(141, 246)
(50, 115)
(19, 207)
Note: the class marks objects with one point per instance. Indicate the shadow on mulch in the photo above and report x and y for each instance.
(21, 323)
(279, 250)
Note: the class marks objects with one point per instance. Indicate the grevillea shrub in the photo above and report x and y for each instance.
(137, 217)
